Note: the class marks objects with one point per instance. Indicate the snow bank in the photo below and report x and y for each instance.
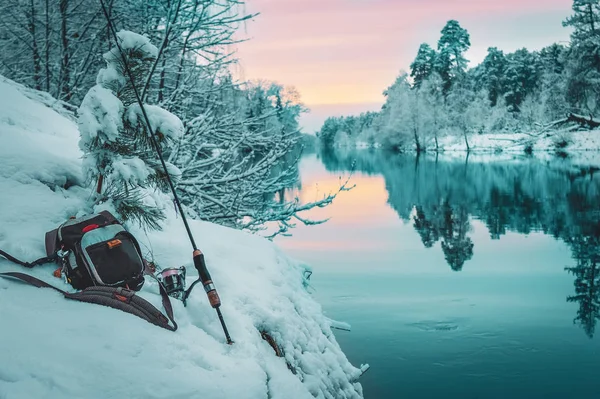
(65, 109)
(54, 348)
(38, 145)
(517, 142)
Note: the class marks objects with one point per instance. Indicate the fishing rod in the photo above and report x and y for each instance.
(199, 261)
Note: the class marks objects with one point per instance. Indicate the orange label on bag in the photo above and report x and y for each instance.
(114, 243)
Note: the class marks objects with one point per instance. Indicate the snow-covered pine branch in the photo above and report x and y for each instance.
(118, 155)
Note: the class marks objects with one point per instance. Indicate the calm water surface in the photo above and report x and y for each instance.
(461, 278)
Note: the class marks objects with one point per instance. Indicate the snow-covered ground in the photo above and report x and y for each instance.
(581, 147)
(54, 348)
(517, 142)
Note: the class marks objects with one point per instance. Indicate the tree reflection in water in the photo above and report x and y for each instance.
(442, 197)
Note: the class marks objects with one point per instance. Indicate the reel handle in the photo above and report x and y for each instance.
(209, 287)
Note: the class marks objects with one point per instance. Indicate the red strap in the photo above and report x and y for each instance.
(89, 227)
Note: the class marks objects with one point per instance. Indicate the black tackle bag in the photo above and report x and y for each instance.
(96, 250)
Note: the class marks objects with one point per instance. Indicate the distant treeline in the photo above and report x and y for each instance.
(513, 92)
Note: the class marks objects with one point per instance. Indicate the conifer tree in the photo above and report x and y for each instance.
(583, 83)
(423, 65)
(494, 70)
(522, 77)
(118, 153)
(585, 20)
(451, 62)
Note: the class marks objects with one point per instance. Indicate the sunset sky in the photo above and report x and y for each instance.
(342, 54)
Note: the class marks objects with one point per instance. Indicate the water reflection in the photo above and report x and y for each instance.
(587, 282)
(449, 224)
(440, 198)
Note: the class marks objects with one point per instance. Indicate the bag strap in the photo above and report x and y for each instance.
(116, 298)
(31, 280)
(40, 261)
(166, 301)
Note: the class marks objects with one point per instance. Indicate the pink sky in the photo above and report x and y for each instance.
(342, 54)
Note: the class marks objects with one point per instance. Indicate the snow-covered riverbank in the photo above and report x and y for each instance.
(566, 142)
(580, 147)
(54, 348)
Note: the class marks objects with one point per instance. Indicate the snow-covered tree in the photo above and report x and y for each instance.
(423, 65)
(397, 119)
(524, 89)
(553, 98)
(583, 68)
(478, 112)
(585, 20)
(522, 77)
(433, 98)
(240, 144)
(552, 89)
(327, 134)
(494, 74)
(349, 130)
(118, 153)
(51, 45)
(453, 44)
(552, 58)
(548, 102)
(239, 161)
(459, 100)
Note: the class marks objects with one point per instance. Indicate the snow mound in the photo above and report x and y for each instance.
(54, 348)
(38, 145)
(63, 108)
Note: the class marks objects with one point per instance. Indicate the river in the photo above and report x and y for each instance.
(462, 277)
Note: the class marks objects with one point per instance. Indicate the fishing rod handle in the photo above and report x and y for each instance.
(209, 287)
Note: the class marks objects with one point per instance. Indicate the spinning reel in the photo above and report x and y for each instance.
(173, 279)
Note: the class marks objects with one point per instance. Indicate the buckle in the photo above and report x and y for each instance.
(123, 294)
(62, 253)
